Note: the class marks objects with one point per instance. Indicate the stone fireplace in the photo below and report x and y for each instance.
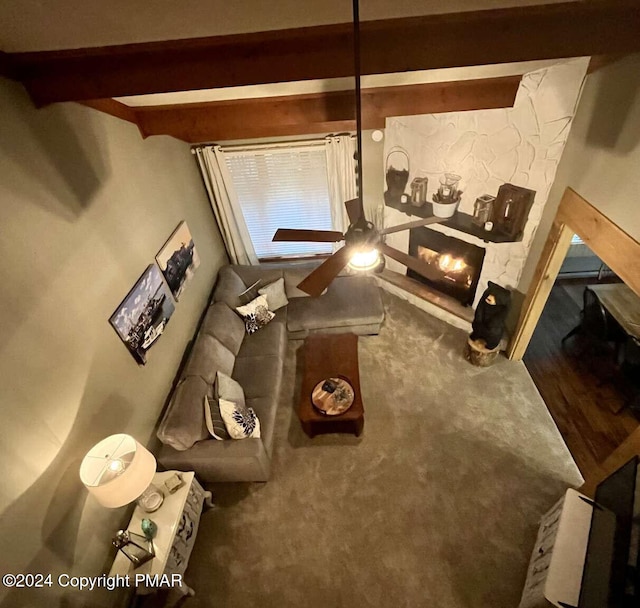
(456, 263)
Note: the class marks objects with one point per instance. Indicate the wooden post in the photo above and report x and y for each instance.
(610, 243)
(553, 254)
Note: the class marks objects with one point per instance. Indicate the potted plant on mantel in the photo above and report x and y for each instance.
(447, 198)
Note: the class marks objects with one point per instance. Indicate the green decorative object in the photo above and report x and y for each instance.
(149, 528)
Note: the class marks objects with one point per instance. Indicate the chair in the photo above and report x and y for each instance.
(631, 372)
(596, 325)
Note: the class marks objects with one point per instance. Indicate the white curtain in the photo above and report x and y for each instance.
(226, 207)
(341, 172)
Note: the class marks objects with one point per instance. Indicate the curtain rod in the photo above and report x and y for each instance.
(301, 143)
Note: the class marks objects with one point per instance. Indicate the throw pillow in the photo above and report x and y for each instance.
(213, 419)
(250, 293)
(241, 421)
(227, 388)
(275, 293)
(256, 314)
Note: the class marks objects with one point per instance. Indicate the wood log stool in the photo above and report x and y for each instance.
(477, 353)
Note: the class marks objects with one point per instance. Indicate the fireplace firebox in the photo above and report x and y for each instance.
(456, 263)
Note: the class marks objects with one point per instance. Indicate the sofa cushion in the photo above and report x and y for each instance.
(229, 287)
(224, 324)
(348, 301)
(259, 376)
(207, 357)
(183, 423)
(228, 388)
(213, 460)
(295, 275)
(266, 409)
(270, 340)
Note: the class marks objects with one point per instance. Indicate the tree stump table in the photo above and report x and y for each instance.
(476, 353)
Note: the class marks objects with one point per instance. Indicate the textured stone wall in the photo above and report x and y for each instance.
(520, 145)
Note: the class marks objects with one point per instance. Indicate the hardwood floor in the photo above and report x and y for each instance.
(582, 393)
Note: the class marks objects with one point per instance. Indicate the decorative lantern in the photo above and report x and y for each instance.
(483, 209)
(419, 191)
(397, 176)
(135, 546)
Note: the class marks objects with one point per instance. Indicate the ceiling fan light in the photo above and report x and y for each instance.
(364, 260)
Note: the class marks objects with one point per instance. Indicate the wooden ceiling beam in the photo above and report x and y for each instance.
(112, 107)
(321, 112)
(545, 31)
(7, 66)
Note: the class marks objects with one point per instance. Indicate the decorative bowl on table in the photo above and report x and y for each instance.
(332, 396)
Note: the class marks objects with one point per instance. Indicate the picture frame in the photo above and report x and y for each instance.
(142, 316)
(178, 259)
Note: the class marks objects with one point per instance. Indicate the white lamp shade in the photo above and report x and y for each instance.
(365, 260)
(117, 470)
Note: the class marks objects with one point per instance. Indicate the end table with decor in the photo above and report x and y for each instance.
(177, 521)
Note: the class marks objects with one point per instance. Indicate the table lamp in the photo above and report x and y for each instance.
(119, 470)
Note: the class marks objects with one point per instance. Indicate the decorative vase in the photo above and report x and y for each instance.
(444, 210)
(446, 200)
(149, 528)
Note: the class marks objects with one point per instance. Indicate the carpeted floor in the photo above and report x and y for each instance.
(435, 505)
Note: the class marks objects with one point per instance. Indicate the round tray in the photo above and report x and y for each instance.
(336, 402)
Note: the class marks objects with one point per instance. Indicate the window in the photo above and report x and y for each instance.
(282, 187)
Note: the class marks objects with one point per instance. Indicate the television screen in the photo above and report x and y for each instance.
(610, 576)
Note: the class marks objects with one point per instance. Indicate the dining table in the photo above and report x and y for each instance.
(623, 304)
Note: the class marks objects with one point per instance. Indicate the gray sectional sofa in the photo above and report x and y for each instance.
(350, 304)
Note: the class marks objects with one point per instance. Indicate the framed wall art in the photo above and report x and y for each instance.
(143, 315)
(178, 259)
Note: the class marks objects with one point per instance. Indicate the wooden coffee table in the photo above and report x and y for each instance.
(328, 356)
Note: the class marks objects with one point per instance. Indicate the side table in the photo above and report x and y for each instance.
(177, 520)
(555, 571)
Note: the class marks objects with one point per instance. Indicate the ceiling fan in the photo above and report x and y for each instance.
(363, 246)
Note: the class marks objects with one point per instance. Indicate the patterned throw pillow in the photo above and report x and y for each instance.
(256, 314)
(241, 421)
(213, 419)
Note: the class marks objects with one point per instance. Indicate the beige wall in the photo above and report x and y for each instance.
(85, 204)
(601, 160)
(372, 173)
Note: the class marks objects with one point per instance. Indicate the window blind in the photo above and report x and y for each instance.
(282, 188)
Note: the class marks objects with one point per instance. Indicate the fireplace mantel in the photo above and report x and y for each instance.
(460, 221)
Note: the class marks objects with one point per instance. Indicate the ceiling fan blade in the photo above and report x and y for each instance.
(409, 261)
(322, 276)
(317, 236)
(353, 209)
(424, 222)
